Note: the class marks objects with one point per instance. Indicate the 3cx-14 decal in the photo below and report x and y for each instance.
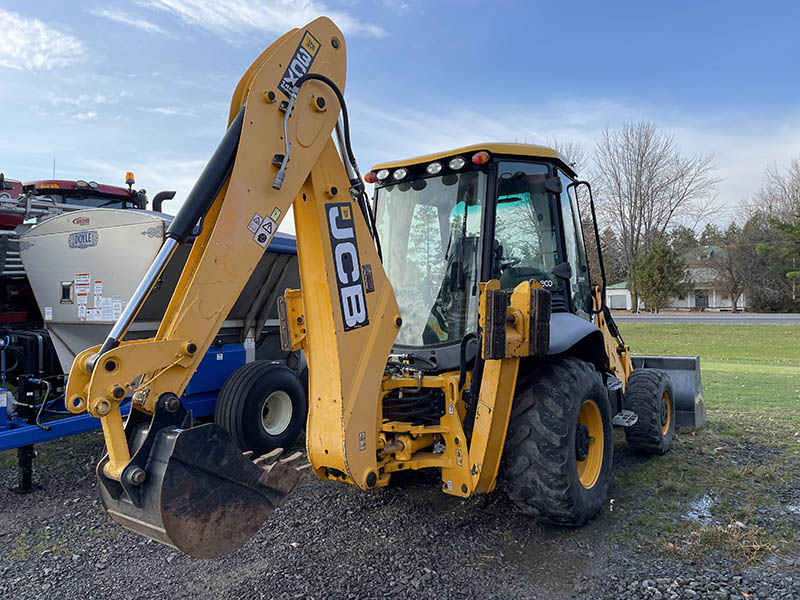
(300, 63)
(349, 280)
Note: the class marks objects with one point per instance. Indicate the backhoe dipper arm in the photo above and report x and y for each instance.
(348, 307)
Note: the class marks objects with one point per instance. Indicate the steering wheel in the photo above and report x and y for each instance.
(511, 261)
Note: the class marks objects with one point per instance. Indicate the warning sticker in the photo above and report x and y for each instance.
(98, 294)
(93, 314)
(81, 311)
(48, 313)
(276, 214)
(116, 306)
(265, 232)
(254, 223)
(81, 299)
(106, 310)
(82, 283)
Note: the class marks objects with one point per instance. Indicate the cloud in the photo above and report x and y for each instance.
(231, 17)
(29, 44)
(84, 100)
(162, 110)
(743, 143)
(86, 116)
(129, 19)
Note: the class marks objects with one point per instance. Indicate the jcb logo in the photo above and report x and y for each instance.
(300, 63)
(348, 268)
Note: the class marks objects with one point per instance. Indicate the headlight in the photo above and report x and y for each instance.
(382, 174)
(399, 174)
(457, 163)
(434, 168)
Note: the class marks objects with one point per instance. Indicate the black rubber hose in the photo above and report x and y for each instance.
(473, 392)
(339, 96)
(369, 218)
(462, 363)
(209, 183)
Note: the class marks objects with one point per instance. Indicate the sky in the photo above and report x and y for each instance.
(109, 86)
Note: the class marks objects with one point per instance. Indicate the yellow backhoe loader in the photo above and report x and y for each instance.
(452, 325)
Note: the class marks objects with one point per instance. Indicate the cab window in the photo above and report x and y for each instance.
(525, 228)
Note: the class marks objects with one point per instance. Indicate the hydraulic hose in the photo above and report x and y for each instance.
(356, 181)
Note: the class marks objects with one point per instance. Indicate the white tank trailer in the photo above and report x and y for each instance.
(84, 266)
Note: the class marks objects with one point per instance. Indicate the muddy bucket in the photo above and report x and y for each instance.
(198, 493)
(687, 386)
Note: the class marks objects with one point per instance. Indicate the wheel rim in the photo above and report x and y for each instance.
(276, 412)
(665, 413)
(589, 434)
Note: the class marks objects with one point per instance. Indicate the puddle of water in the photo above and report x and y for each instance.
(700, 510)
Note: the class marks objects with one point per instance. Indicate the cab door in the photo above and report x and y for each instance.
(580, 287)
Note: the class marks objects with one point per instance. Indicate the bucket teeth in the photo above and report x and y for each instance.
(268, 458)
(292, 458)
(281, 473)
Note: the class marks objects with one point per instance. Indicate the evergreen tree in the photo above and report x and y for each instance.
(660, 276)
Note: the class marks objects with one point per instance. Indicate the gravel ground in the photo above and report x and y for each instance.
(334, 541)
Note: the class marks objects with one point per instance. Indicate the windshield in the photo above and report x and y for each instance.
(93, 201)
(430, 235)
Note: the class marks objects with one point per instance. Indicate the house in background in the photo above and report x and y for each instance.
(703, 292)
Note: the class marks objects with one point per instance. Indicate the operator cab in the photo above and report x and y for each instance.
(451, 220)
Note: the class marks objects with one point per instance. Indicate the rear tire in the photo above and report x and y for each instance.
(648, 393)
(263, 405)
(560, 414)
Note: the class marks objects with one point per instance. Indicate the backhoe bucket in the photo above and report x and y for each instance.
(687, 387)
(199, 493)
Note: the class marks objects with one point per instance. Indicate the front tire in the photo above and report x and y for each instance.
(559, 449)
(263, 405)
(648, 393)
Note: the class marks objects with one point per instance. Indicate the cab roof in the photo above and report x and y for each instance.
(66, 187)
(506, 149)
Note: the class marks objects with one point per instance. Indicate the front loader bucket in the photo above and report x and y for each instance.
(199, 494)
(687, 387)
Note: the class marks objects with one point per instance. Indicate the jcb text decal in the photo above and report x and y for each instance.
(349, 280)
(300, 63)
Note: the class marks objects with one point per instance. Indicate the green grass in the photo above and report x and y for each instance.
(744, 367)
(747, 456)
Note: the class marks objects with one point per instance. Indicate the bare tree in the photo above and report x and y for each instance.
(573, 152)
(645, 186)
(731, 259)
(779, 197)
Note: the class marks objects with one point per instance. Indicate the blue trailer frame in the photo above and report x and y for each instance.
(199, 397)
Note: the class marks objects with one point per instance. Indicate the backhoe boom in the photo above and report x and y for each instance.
(241, 204)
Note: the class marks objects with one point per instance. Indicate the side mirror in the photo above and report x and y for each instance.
(563, 270)
(553, 184)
